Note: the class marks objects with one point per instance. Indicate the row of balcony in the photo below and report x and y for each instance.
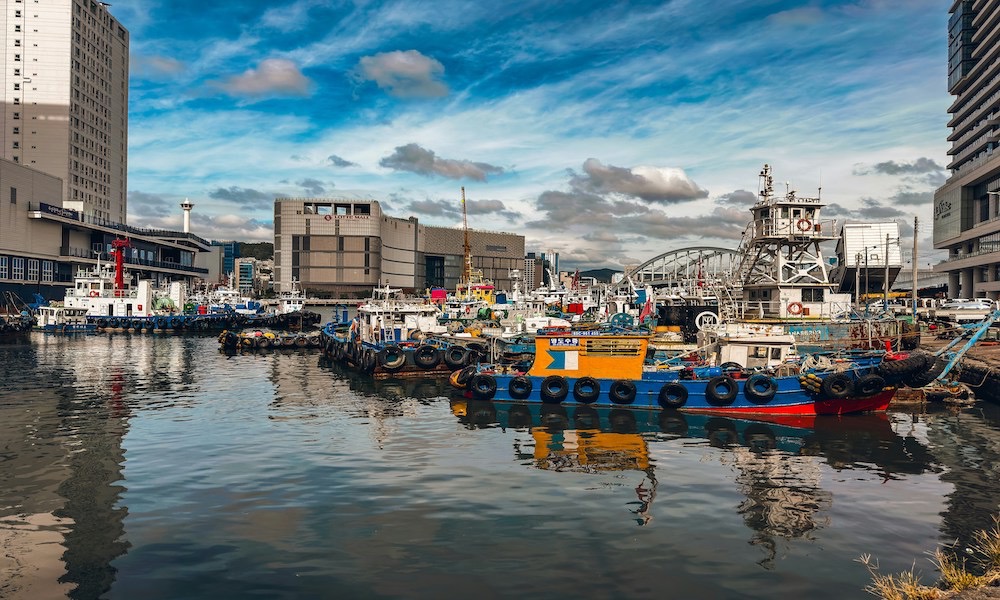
(156, 264)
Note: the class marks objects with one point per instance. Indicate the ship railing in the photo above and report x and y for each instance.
(771, 309)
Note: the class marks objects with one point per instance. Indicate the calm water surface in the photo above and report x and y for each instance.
(138, 466)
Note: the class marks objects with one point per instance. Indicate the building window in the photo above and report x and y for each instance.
(17, 269)
(17, 131)
(32, 269)
(17, 116)
(13, 195)
(47, 271)
(17, 87)
(4, 268)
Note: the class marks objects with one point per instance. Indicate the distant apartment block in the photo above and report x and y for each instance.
(347, 246)
(65, 108)
(967, 206)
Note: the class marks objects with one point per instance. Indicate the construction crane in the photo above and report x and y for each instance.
(466, 248)
(118, 246)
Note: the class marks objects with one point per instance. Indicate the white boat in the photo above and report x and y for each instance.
(291, 301)
(388, 317)
(63, 319)
(103, 293)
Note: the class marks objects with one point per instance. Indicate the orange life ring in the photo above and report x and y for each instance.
(94, 293)
(794, 308)
(328, 217)
(803, 225)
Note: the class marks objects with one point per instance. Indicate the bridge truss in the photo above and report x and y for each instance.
(687, 272)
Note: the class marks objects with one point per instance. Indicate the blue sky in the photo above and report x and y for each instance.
(607, 131)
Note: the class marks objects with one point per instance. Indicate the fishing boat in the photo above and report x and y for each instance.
(63, 319)
(393, 336)
(602, 368)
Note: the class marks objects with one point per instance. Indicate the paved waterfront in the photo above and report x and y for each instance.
(148, 466)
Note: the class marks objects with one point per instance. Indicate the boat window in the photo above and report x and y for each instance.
(812, 294)
(758, 352)
(776, 353)
(784, 212)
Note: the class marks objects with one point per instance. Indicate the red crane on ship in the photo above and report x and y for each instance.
(118, 250)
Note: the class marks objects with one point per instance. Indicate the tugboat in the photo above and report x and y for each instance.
(609, 369)
(783, 279)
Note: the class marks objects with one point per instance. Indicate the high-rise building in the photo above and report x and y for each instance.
(65, 109)
(347, 246)
(967, 206)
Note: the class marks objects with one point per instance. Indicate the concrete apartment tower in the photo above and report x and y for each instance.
(967, 206)
(65, 108)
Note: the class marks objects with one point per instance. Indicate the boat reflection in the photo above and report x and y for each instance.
(778, 464)
(392, 388)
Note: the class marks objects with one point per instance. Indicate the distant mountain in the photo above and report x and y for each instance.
(601, 275)
(258, 250)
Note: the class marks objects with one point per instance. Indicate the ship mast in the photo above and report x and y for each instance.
(466, 248)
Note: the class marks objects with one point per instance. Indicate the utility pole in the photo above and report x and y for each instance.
(913, 293)
(885, 289)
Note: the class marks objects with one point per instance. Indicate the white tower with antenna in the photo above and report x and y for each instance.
(187, 206)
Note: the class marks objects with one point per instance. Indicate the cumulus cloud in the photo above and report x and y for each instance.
(407, 74)
(313, 187)
(891, 167)
(339, 162)
(273, 76)
(151, 205)
(421, 161)
(156, 67)
(737, 198)
(653, 184)
(913, 198)
(246, 197)
(453, 208)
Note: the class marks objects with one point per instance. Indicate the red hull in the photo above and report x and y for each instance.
(877, 403)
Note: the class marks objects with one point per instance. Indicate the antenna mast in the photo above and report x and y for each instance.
(467, 267)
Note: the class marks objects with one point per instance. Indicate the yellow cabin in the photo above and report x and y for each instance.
(598, 356)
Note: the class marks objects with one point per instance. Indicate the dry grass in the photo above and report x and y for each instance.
(955, 575)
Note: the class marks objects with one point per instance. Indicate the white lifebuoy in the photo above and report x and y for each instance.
(794, 308)
(705, 319)
(94, 293)
(803, 225)
(328, 217)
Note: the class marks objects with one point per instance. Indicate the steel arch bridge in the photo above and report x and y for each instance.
(687, 270)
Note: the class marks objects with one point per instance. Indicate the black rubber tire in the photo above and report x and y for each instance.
(392, 358)
(426, 357)
(922, 378)
(721, 390)
(869, 385)
(586, 390)
(465, 376)
(673, 395)
(554, 389)
(622, 391)
(483, 387)
(760, 388)
(520, 387)
(837, 386)
(898, 368)
(456, 357)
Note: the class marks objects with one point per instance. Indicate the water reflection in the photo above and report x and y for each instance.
(282, 474)
(778, 464)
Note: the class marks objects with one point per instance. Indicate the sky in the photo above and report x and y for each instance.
(610, 132)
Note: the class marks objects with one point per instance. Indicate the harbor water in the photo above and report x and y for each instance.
(155, 466)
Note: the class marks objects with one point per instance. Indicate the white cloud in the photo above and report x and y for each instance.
(273, 76)
(407, 74)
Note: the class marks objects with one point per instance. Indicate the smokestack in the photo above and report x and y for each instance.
(187, 206)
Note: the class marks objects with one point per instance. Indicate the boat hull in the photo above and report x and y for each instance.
(790, 396)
